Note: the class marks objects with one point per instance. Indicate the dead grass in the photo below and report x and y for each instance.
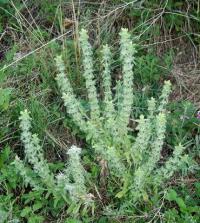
(186, 73)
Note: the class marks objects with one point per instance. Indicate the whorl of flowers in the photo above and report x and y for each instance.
(73, 105)
(72, 180)
(76, 169)
(33, 150)
(160, 128)
(127, 57)
(172, 164)
(109, 110)
(141, 143)
(151, 107)
(146, 168)
(164, 96)
(21, 168)
(88, 74)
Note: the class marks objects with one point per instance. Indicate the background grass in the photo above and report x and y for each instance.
(33, 32)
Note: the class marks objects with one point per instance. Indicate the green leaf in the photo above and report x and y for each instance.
(37, 206)
(124, 190)
(4, 98)
(74, 208)
(35, 219)
(4, 156)
(55, 203)
(181, 204)
(171, 195)
(195, 209)
(32, 196)
(25, 212)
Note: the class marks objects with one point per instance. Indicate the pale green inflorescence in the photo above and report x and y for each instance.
(109, 110)
(89, 75)
(141, 143)
(172, 164)
(151, 107)
(73, 105)
(164, 96)
(146, 168)
(76, 170)
(33, 150)
(72, 180)
(20, 167)
(158, 140)
(127, 57)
